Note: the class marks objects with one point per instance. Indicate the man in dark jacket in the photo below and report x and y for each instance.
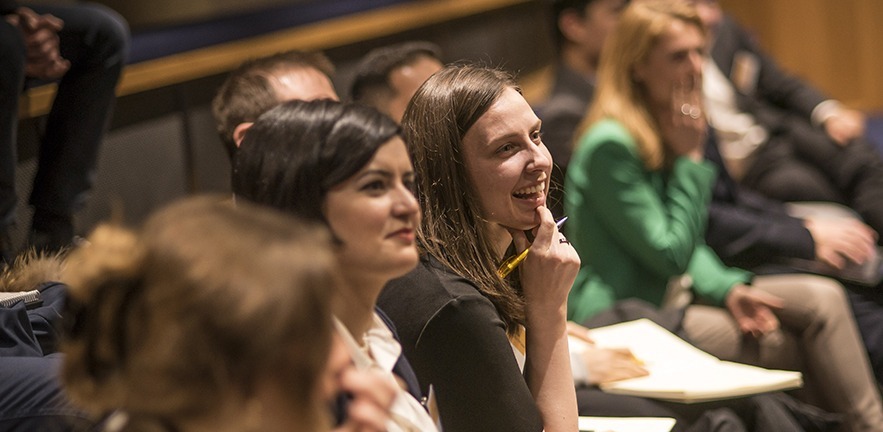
(581, 27)
(780, 136)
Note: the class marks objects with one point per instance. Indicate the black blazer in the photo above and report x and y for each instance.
(774, 94)
(746, 229)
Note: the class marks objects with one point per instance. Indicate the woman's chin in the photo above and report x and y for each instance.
(404, 266)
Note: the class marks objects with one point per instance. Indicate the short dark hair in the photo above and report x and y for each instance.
(247, 92)
(561, 6)
(297, 152)
(371, 82)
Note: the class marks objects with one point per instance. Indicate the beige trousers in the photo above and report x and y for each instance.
(818, 337)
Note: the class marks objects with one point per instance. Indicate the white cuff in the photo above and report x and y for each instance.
(825, 110)
(577, 365)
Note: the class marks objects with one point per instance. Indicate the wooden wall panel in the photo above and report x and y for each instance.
(835, 45)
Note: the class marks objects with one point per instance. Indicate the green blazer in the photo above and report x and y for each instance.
(635, 229)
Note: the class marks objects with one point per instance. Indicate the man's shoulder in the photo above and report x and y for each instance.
(571, 92)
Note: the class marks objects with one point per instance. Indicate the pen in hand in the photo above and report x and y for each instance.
(511, 263)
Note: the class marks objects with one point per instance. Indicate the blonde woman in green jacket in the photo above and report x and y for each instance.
(637, 192)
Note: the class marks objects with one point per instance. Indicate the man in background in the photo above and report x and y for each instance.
(260, 84)
(387, 77)
(780, 136)
(769, 130)
(581, 27)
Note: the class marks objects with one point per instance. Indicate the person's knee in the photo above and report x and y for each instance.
(825, 296)
(780, 349)
(111, 34)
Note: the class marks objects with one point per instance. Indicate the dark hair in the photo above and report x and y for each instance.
(445, 107)
(371, 83)
(247, 92)
(295, 153)
(561, 6)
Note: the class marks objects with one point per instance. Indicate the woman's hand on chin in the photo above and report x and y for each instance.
(683, 127)
(550, 268)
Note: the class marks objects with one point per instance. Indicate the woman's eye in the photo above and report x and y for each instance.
(374, 186)
(680, 56)
(505, 148)
(536, 136)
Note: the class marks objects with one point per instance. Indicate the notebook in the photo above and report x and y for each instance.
(680, 372)
(625, 424)
(869, 273)
(32, 298)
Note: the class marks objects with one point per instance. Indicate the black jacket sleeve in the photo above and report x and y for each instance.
(746, 236)
(775, 90)
(747, 229)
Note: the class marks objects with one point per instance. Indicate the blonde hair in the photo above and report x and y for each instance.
(200, 306)
(618, 95)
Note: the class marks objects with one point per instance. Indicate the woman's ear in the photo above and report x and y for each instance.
(239, 132)
(571, 24)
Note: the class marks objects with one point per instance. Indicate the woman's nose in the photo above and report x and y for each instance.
(696, 60)
(541, 159)
(406, 202)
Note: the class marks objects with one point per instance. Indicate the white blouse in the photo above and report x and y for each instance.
(380, 352)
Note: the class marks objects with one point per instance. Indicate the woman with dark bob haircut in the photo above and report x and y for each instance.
(346, 166)
(300, 150)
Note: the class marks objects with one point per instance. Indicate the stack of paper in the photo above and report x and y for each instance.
(626, 424)
(680, 372)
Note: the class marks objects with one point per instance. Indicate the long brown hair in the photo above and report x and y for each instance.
(453, 229)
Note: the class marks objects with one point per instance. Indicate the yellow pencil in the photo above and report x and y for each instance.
(512, 262)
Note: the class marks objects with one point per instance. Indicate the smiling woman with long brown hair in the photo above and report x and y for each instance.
(482, 179)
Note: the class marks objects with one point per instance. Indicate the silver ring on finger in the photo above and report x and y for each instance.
(686, 109)
(692, 111)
